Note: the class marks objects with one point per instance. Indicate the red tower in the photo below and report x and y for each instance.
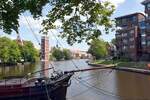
(44, 48)
(45, 54)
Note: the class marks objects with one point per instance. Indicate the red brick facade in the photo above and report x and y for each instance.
(45, 48)
(146, 3)
(128, 36)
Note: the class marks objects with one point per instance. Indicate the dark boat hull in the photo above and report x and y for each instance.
(55, 91)
(57, 94)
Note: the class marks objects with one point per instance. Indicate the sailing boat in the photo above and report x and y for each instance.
(43, 88)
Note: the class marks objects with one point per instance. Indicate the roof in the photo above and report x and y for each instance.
(129, 15)
(145, 2)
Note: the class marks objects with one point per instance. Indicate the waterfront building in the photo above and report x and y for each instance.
(146, 49)
(128, 36)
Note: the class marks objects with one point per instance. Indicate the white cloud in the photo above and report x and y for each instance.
(139, 0)
(115, 2)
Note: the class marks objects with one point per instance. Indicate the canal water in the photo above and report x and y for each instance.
(93, 85)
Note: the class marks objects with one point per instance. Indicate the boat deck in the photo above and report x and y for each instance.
(24, 82)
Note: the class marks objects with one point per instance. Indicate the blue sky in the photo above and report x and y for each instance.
(123, 7)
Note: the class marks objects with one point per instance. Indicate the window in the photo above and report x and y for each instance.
(148, 25)
(142, 31)
(143, 39)
(131, 46)
(134, 18)
(124, 21)
(124, 26)
(148, 6)
(124, 47)
(143, 43)
(148, 38)
(124, 34)
(148, 43)
(125, 41)
(143, 35)
(132, 31)
(118, 22)
(131, 39)
(142, 24)
(118, 35)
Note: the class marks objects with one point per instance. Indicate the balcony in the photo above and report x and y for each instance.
(147, 11)
(148, 19)
(126, 30)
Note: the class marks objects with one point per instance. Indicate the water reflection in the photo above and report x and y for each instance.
(19, 70)
(44, 65)
(132, 86)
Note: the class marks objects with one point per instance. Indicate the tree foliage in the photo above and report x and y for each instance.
(61, 54)
(57, 53)
(67, 54)
(9, 51)
(11, 9)
(28, 52)
(98, 48)
(80, 18)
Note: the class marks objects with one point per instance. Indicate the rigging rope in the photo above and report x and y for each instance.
(81, 93)
(53, 67)
(99, 90)
(48, 97)
(32, 30)
(62, 45)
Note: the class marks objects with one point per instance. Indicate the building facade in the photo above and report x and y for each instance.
(45, 48)
(44, 56)
(128, 36)
(146, 35)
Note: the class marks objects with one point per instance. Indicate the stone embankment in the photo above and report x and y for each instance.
(129, 69)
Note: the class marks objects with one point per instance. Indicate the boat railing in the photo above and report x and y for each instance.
(12, 80)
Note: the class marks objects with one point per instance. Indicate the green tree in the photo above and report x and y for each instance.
(9, 51)
(67, 54)
(14, 52)
(57, 54)
(98, 48)
(28, 52)
(11, 9)
(4, 49)
(84, 16)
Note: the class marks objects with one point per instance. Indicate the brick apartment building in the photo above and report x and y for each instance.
(128, 36)
(146, 35)
(133, 37)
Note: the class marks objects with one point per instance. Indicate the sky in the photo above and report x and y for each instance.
(123, 7)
